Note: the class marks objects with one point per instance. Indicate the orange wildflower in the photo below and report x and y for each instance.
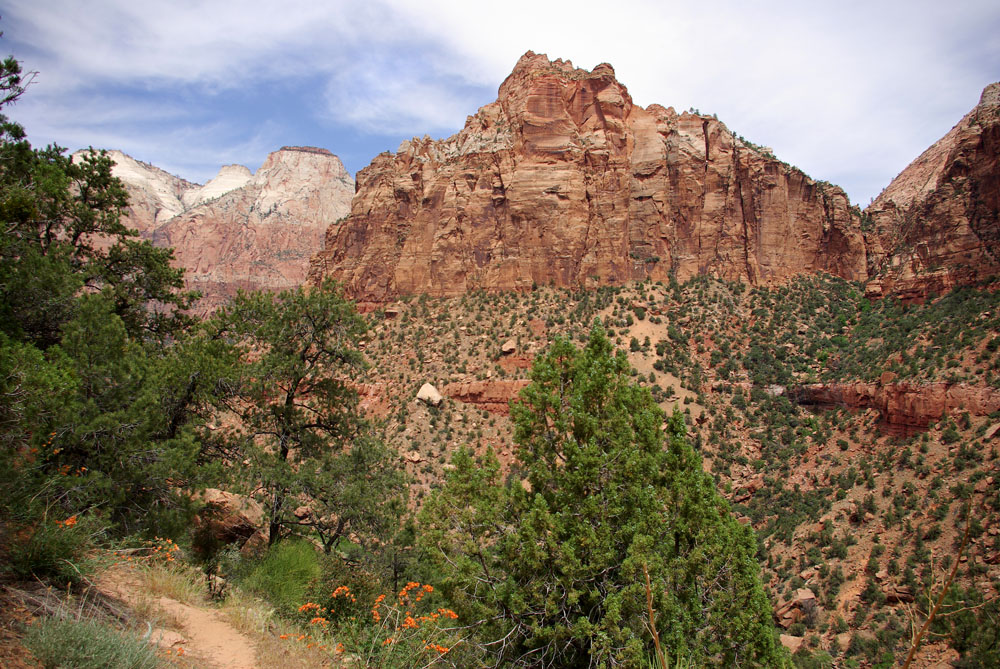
(436, 647)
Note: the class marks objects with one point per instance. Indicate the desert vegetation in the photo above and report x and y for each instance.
(682, 472)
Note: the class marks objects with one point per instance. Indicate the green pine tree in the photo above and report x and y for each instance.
(551, 568)
(299, 436)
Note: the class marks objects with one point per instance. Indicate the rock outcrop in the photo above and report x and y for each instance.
(230, 177)
(494, 396)
(564, 180)
(155, 195)
(937, 225)
(240, 230)
(227, 517)
(907, 405)
(801, 605)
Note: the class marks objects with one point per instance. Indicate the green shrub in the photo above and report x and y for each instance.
(53, 550)
(804, 659)
(81, 644)
(284, 575)
(950, 435)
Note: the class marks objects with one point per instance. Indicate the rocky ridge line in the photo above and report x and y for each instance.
(564, 181)
(937, 225)
(241, 229)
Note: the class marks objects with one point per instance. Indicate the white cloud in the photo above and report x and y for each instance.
(855, 89)
(394, 94)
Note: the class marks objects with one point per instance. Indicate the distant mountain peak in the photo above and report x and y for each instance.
(241, 229)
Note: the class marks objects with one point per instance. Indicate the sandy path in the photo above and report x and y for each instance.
(209, 636)
(206, 636)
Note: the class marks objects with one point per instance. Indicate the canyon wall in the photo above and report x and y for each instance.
(902, 404)
(937, 225)
(564, 180)
(241, 229)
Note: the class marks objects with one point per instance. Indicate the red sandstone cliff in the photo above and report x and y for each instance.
(903, 404)
(564, 180)
(494, 396)
(937, 225)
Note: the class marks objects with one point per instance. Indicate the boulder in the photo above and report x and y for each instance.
(789, 613)
(792, 643)
(429, 395)
(227, 517)
(895, 594)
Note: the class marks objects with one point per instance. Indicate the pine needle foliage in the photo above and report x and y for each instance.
(550, 568)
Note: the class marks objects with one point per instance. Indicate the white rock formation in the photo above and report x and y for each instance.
(230, 177)
(240, 230)
(428, 394)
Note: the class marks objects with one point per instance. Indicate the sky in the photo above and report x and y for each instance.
(850, 92)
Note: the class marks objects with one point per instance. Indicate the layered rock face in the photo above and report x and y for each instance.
(241, 230)
(908, 405)
(261, 236)
(494, 396)
(154, 195)
(937, 225)
(564, 180)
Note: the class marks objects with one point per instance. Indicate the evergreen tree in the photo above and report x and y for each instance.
(551, 568)
(299, 434)
(61, 230)
(104, 393)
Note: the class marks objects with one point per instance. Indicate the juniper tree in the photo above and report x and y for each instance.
(550, 568)
(298, 436)
(102, 391)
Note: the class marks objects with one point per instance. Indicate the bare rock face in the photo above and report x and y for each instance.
(493, 396)
(937, 225)
(155, 196)
(230, 177)
(904, 404)
(564, 180)
(241, 230)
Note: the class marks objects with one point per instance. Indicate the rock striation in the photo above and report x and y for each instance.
(230, 177)
(155, 195)
(563, 180)
(241, 229)
(493, 396)
(937, 225)
(262, 235)
(902, 404)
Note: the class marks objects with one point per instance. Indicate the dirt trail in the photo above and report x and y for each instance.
(208, 636)
(205, 637)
